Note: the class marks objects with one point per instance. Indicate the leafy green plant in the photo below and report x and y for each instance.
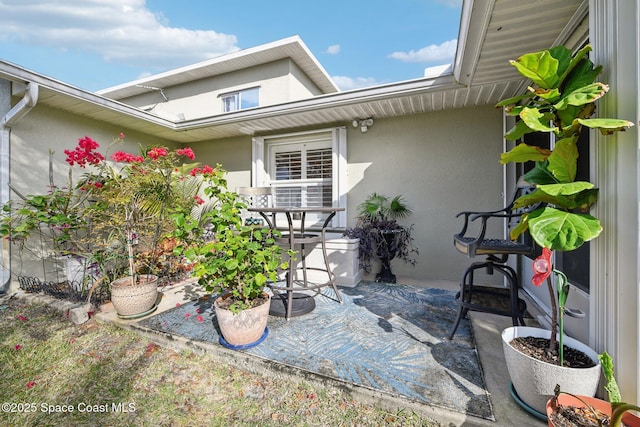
(238, 259)
(381, 236)
(561, 102)
(114, 207)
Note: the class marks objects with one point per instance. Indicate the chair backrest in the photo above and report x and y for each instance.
(255, 197)
(479, 242)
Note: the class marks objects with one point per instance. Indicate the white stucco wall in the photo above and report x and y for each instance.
(442, 163)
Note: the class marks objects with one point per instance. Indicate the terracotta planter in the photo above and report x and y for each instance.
(244, 328)
(564, 399)
(131, 300)
(534, 380)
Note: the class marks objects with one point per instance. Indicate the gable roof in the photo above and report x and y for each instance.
(292, 47)
(491, 33)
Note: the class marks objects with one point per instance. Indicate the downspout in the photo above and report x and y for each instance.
(21, 109)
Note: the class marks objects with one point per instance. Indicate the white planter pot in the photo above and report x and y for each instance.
(534, 380)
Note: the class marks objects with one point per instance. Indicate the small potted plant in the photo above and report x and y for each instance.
(235, 263)
(561, 102)
(381, 236)
(566, 409)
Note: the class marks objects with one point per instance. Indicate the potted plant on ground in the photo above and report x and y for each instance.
(130, 202)
(381, 236)
(567, 410)
(561, 102)
(235, 264)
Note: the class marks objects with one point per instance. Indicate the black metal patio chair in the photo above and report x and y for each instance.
(492, 299)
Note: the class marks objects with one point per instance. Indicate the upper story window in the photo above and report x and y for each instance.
(240, 100)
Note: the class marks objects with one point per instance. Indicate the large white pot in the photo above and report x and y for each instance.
(534, 380)
(131, 300)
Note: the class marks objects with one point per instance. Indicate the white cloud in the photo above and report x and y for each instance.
(333, 49)
(347, 83)
(120, 31)
(432, 53)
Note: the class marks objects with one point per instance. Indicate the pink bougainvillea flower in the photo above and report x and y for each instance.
(18, 347)
(84, 153)
(198, 310)
(31, 384)
(542, 267)
(187, 315)
(156, 153)
(187, 152)
(198, 200)
(206, 169)
(177, 304)
(121, 136)
(21, 317)
(195, 171)
(200, 319)
(121, 156)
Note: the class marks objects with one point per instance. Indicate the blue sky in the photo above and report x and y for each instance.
(95, 44)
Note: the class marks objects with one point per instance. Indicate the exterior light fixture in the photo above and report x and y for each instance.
(364, 124)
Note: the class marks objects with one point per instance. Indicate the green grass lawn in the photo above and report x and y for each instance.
(55, 373)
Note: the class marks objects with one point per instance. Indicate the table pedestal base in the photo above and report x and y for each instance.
(302, 304)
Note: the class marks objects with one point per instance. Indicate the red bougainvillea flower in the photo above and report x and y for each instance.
(21, 317)
(84, 153)
(121, 156)
(187, 152)
(30, 384)
(206, 169)
(542, 267)
(121, 136)
(187, 315)
(200, 319)
(156, 153)
(198, 200)
(18, 347)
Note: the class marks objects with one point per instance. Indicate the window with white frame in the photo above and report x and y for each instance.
(304, 169)
(240, 100)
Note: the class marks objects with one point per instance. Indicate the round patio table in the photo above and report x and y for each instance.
(289, 303)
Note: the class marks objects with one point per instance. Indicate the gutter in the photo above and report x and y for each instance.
(13, 116)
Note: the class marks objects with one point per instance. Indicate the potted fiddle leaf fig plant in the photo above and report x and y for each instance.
(381, 236)
(235, 264)
(561, 101)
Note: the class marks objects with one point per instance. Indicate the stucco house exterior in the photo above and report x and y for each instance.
(435, 139)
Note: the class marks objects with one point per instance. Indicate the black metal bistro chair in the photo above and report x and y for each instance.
(490, 299)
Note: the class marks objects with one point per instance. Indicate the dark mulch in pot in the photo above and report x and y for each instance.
(571, 416)
(538, 348)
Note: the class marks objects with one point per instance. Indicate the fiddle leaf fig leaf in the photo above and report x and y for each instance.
(540, 67)
(518, 131)
(583, 95)
(536, 120)
(563, 161)
(524, 153)
(540, 174)
(566, 189)
(520, 228)
(539, 196)
(606, 126)
(562, 231)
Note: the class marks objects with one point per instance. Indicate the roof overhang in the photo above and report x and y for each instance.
(290, 48)
(491, 33)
